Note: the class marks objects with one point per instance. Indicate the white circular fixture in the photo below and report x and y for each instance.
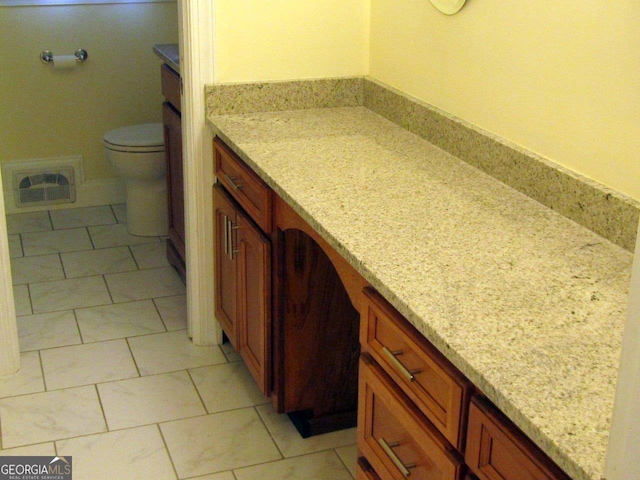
(448, 7)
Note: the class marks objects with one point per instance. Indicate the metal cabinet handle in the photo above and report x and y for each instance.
(393, 358)
(226, 235)
(232, 182)
(229, 228)
(388, 449)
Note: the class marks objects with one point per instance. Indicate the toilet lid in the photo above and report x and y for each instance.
(145, 135)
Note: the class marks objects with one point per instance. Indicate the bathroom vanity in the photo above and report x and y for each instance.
(172, 122)
(475, 313)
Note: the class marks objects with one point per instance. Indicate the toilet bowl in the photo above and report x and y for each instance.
(137, 154)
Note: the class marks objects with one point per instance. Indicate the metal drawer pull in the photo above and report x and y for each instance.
(229, 237)
(232, 182)
(388, 449)
(229, 229)
(392, 356)
(226, 235)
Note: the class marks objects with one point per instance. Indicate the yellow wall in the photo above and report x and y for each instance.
(47, 113)
(260, 40)
(561, 78)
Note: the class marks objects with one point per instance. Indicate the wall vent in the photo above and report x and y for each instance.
(40, 188)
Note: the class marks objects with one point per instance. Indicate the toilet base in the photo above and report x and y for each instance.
(147, 214)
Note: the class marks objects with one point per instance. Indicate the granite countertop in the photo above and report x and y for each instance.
(169, 53)
(529, 305)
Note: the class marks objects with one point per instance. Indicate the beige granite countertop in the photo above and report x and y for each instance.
(529, 305)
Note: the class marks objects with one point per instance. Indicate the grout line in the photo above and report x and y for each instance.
(133, 357)
(104, 415)
(166, 448)
(193, 382)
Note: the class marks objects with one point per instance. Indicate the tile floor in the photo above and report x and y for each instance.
(110, 377)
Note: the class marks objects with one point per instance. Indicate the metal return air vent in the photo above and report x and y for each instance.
(44, 188)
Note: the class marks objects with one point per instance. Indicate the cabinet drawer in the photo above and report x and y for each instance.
(437, 387)
(253, 195)
(497, 450)
(171, 86)
(395, 437)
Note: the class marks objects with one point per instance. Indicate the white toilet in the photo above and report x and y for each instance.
(137, 154)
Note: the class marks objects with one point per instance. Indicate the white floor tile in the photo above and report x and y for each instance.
(82, 217)
(27, 380)
(227, 387)
(292, 444)
(69, 294)
(119, 320)
(105, 236)
(230, 352)
(146, 400)
(42, 417)
(78, 365)
(141, 284)
(171, 351)
(150, 255)
(133, 454)
(47, 330)
(15, 246)
(22, 300)
(120, 211)
(98, 262)
(28, 222)
(42, 268)
(349, 456)
(319, 466)
(218, 442)
(41, 449)
(56, 241)
(173, 311)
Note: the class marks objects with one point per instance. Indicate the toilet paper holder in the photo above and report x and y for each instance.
(80, 54)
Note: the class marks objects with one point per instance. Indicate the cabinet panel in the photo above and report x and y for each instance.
(394, 436)
(175, 183)
(171, 88)
(496, 450)
(254, 275)
(253, 195)
(226, 284)
(439, 390)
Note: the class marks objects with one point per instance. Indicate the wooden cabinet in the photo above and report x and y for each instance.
(395, 436)
(171, 118)
(243, 274)
(497, 450)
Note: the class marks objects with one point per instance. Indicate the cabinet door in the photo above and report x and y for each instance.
(226, 284)
(175, 178)
(253, 259)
